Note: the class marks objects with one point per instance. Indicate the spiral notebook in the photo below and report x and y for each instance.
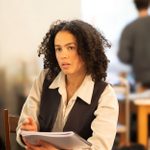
(62, 140)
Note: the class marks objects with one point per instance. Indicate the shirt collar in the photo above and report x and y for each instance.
(84, 92)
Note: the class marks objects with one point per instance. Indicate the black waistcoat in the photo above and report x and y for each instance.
(80, 117)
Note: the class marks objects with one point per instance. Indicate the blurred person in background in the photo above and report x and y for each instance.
(72, 83)
(134, 48)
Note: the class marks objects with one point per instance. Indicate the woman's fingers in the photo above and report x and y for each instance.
(42, 145)
(47, 145)
(29, 124)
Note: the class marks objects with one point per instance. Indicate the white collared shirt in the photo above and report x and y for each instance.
(103, 126)
(83, 92)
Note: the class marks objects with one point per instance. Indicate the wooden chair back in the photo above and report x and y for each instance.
(13, 122)
(123, 129)
(4, 130)
(8, 125)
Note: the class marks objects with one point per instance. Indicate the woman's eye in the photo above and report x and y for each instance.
(57, 49)
(71, 47)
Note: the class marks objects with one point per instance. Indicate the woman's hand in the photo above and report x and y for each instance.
(29, 125)
(42, 145)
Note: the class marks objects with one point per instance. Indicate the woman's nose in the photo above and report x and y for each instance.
(64, 53)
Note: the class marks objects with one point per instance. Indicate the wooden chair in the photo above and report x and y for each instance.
(8, 124)
(123, 129)
(13, 122)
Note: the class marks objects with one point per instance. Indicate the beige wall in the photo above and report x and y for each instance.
(23, 24)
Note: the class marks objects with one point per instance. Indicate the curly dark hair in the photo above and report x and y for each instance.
(91, 46)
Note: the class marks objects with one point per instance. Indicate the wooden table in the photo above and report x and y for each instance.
(143, 110)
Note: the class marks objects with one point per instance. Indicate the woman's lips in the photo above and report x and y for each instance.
(65, 65)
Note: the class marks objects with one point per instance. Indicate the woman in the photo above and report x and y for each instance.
(72, 83)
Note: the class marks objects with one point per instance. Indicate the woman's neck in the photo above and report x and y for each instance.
(73, 82)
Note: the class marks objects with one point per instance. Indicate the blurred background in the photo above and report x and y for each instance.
(23, 24)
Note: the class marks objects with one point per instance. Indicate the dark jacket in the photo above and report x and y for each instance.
(134, 48)
(76, 122)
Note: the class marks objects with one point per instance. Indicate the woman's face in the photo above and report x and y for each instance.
(67, 55)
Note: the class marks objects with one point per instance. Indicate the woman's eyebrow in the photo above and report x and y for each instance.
(71, 43)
